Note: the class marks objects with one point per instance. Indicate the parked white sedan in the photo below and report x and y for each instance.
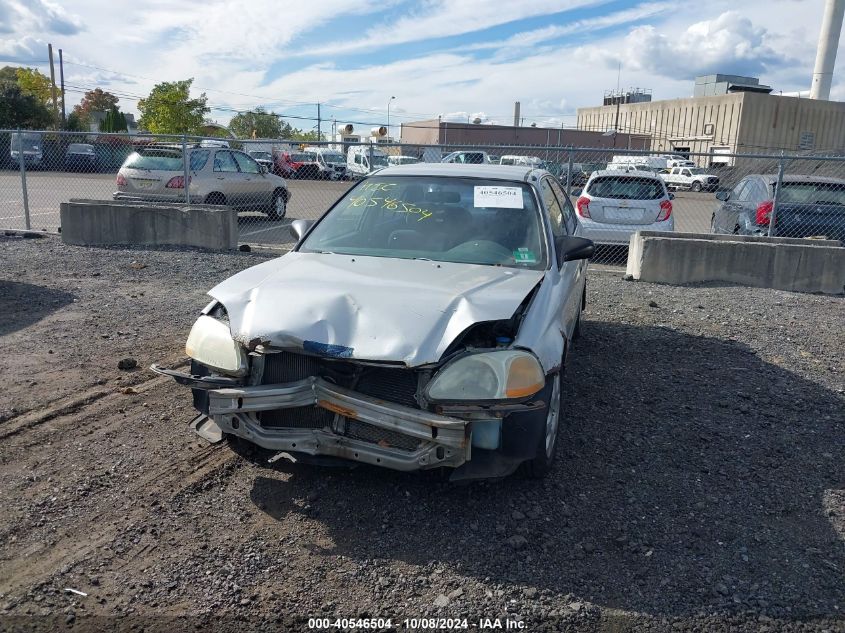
(615, 204)
(422, 322)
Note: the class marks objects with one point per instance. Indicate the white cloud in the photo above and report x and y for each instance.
(22, 51)
(730, 43)
(519, 41)
(444, 18)
(41, 15)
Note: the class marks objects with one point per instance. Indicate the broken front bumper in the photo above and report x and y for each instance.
(395, 436)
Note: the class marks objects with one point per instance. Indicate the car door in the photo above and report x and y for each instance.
(227, 178)
(257, 188)
(570, 274)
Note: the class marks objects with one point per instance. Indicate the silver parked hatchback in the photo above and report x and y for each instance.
(422, 322)
(615, 204)
(215, 176)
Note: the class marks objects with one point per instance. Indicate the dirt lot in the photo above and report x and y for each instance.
(699, 486)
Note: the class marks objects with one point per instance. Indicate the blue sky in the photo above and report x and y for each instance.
(457, 59)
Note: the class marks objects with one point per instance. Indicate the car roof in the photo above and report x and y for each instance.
(772, 178)
(634, 173)
(493, 172)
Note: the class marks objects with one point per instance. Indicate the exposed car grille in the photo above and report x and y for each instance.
(296, 418)
(393, 384)
(287, 367)
(358, 430)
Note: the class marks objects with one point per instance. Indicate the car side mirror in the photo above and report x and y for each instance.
(298, 228)
(570, 248)
(723, 195)
(577, 191)
(671, 196)
(263, 168)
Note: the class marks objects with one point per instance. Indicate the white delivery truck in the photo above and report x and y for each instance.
(331, 164)
(624, 162)
(363, 160)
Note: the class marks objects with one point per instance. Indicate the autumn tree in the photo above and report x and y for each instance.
(169, 109)
(96, 100)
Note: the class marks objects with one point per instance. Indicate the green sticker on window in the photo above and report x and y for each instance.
(524, 256)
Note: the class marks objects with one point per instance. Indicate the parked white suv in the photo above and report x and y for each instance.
(471, 158)
(616, 204)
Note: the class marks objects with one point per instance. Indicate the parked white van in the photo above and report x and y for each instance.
(528, 161)
(331, 163)
(653, 164)
(358, 159)
(402, 160)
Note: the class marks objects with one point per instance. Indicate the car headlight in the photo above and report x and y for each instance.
(499, 375)
(211, 344)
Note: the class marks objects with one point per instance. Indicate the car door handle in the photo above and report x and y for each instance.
(221, 177)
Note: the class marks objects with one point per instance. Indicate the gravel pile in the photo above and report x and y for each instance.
(699, 482)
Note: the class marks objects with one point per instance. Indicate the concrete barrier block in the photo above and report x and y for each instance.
(782, 263)
(103, 222)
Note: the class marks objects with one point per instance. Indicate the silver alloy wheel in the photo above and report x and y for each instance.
(280, 205)
(553, 417)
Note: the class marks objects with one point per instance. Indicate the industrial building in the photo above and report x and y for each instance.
(733, 115)
(438, 132)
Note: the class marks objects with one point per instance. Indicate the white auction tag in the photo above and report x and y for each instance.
(501, 197)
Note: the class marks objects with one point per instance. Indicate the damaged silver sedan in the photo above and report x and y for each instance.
(422, 322)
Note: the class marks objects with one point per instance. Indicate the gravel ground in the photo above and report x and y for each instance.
(699, 484)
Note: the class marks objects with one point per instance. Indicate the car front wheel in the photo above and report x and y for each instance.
(542, 463)
(696, 186)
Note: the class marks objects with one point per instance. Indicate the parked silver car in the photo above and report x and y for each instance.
(215, 176)
(424, 321)
(617, 203)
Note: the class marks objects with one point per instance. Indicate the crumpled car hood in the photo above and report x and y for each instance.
(368, 308)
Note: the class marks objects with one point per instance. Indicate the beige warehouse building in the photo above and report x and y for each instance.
(741, 121)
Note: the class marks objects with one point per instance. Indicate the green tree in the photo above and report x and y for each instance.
(22, 110)
(301, 135)
(115, 121)
(36, 84)
(169, 109)
(259, 122)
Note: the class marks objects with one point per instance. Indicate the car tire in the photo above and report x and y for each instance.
(215, 198)
(541, 464)
(279, 205)
(713, 223)
(696, 186)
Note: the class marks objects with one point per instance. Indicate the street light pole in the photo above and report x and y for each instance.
(388, 117)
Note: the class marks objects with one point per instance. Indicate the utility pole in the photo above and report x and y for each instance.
(319, 125)
(53, 80)
(62, 79)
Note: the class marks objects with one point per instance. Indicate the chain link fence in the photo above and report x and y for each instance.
(614, 192)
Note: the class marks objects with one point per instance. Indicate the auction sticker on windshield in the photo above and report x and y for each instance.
(497, 197)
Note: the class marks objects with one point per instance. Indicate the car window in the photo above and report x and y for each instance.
(626, 188)
(686, 172)
(812, 193)
(466, 220)
(735, 193)
(569, 218)
(747, 192)
(198, 159)
(224, 162)
(155, 160)
(553, 207)
(246, 163)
